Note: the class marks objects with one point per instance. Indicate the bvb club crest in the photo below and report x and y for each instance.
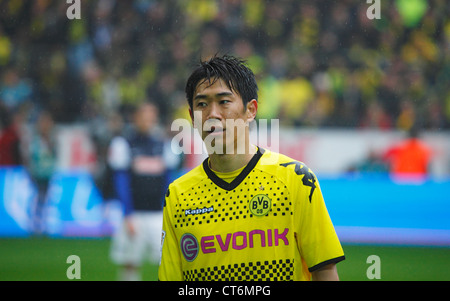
(260, 205)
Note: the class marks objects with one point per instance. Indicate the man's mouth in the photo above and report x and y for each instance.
(216, 130)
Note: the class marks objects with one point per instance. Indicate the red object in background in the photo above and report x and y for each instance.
(410, 157)
(81, 154)
(10, 147)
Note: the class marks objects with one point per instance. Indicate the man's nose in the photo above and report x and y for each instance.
(213, 111)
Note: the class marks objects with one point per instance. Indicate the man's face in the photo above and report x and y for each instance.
(220, 116)
(146, 117)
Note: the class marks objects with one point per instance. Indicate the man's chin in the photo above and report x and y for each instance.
(219, 148)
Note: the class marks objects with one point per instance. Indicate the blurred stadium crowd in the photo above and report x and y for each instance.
(319, 63)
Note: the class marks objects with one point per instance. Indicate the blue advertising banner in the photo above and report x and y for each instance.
(17, 195)
(363, 208)
(74, 206)
(382, 209)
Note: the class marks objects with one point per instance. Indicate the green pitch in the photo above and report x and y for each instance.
(45, 259)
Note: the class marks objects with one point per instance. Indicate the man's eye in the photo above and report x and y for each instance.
(224, 101)
(201, 104)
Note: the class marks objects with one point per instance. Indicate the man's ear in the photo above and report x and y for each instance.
(252, 108)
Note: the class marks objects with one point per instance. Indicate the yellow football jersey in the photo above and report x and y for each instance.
(269, 223)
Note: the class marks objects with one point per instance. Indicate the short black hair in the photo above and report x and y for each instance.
(233, 71)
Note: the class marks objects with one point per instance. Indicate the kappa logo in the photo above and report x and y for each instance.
(308, 178)
(198, 211)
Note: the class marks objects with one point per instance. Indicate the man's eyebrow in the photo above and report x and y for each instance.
(204, 96)
(224, 94)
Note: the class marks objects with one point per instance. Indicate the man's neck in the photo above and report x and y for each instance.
(231, 162)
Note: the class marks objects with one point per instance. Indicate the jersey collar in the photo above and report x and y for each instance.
(233, 184)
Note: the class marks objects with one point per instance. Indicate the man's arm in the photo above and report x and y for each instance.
(170, 266)
(326, 273)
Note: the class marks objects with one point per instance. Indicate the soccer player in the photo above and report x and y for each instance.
(242, 215)
(139, 179)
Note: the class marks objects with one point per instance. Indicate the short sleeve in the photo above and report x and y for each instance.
(316, 237)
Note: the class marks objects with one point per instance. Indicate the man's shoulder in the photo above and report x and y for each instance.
(271, 159)
(283, 166)
(188, 180)
(290, 171)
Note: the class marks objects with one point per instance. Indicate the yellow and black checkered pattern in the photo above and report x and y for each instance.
(231, 205)
(275, 270)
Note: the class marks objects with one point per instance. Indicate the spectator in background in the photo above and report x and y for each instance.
(42, 164)
(115, 128)
(410, 157)
(139, 180)
(10, 138)
(14, 91)
(373, 164)
(105, 178)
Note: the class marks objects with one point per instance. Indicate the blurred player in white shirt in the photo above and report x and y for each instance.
(139, 174)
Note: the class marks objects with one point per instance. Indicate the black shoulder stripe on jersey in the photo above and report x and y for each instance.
(232, 185)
